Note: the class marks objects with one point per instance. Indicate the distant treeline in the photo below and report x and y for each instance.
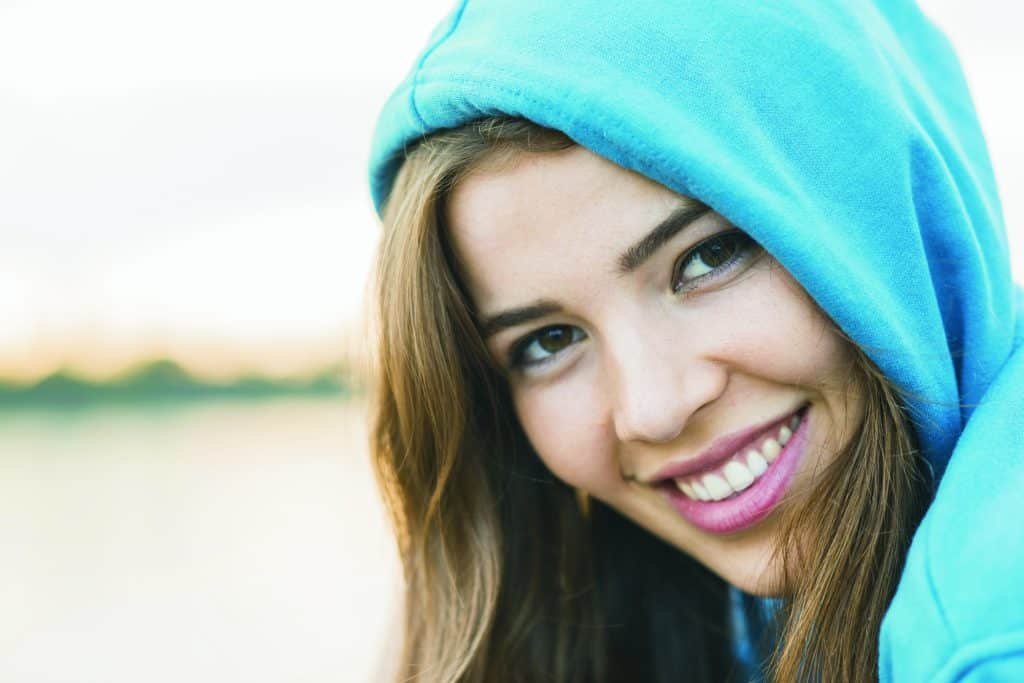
(165, 380)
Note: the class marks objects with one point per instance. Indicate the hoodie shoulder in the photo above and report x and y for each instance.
(958, 614)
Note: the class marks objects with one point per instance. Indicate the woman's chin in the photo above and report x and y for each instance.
(762, 578)
(761, 586)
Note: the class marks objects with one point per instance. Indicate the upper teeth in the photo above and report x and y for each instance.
(740, 471)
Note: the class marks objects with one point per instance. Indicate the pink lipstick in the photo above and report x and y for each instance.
(740, 479)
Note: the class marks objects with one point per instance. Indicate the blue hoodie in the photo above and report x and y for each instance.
(840, 134)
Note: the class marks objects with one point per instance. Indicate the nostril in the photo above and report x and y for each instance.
(656, 400)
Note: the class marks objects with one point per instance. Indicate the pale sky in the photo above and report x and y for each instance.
(188, 177)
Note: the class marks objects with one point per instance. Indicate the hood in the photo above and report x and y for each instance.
(839, 134)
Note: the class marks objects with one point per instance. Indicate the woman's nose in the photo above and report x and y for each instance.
(658, 388)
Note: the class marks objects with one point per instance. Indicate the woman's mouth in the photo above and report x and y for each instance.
(740, 487)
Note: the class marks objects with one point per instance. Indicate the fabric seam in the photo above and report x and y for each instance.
(971, 655)
(933, 590)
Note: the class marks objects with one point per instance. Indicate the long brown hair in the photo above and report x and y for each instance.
(506, 579)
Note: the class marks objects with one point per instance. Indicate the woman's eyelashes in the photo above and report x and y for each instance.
(538, 347)
(712, 258)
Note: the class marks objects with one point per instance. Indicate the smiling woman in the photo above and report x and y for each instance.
(610, 352)
(635, 372)
(655, 399)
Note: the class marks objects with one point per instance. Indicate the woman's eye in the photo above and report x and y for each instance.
(543, 344)
(714, 255)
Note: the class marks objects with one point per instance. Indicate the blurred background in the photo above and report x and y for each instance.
(185, 234)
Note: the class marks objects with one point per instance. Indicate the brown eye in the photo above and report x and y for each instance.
(718, 252)
(544, 344)
(554, 339)
(710, 255)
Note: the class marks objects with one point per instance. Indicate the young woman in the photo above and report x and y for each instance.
(687, 312)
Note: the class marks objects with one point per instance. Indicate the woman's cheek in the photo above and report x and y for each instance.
(795, 344)
(567, 428)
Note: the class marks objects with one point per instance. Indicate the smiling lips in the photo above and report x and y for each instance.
(741, 470)
(741, 478)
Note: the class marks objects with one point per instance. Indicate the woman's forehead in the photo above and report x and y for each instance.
(544, 213)
(549, 223)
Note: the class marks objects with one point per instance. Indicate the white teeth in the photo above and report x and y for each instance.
(784, 435)
(717, 487)
(756, 463)
(686, 489)
(738, 476)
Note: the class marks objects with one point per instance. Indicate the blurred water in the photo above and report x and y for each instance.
(193, 542)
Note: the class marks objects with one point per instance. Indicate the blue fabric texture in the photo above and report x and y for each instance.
(841, 135)
(753, 623)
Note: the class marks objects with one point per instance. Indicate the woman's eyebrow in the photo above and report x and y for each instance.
(630, 260)
(683, 216)
(517, 316)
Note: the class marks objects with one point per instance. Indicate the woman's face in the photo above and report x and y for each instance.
(657, 358)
